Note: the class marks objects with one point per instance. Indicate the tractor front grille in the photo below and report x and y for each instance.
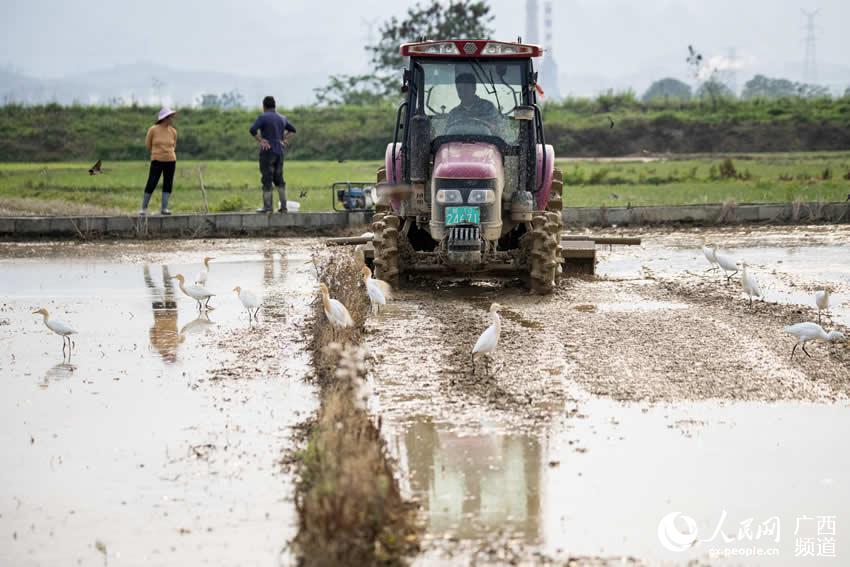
(464, 239)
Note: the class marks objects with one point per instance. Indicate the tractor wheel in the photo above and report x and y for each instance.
(385, 240)
(556, 205)
(545, 250)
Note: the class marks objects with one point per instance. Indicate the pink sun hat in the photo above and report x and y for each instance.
(164, 113)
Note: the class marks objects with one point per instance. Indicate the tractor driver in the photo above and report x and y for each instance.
(474, 114)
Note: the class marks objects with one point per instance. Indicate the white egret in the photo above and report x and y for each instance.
(196, 292)
(749, 283)
(806, 332)
(708, 251)
(489, 339)
(58, 327)
(727, 264)
(201, 278)
(249, 301)
(338, 316)
(822, 301)
(379, 291)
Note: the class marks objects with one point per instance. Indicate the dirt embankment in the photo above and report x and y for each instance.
(350, 508)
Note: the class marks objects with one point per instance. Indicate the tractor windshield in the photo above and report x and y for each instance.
(473, 97)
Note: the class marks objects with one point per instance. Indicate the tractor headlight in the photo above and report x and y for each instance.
(449, 196)
(481, 196)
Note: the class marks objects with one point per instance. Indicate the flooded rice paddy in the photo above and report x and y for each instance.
(651, 390)
(139, 450)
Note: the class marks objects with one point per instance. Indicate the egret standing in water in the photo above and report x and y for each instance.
(196, 292)
(708, 251)
(822, 301)
(338, 316)
(201, 278)
(489, 339)
(379, 291)
(58, 327)
(749, 283)
(249, 301)
(727, 264)
(806, 332)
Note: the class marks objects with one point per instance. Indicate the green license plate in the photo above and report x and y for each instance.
(463, 215)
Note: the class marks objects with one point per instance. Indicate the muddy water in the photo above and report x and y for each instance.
(139, 449)
(651, 390)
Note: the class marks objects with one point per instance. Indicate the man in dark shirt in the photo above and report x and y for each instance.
(473, 112)
(273, 131)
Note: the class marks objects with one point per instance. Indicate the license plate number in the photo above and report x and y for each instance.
(463, 215)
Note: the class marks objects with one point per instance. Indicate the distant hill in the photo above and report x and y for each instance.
(150, 84)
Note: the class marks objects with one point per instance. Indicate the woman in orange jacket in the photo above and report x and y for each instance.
(161, 142)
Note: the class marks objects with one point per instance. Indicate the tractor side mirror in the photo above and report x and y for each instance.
(523, 113)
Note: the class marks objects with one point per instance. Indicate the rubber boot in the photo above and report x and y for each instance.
(281, 193)
(146, 198)
(166, 195)
(268, 202)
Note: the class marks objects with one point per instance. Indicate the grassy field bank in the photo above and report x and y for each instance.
(66, 188)
(574, 126)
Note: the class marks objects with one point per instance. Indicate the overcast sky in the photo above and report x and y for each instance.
(613, 38)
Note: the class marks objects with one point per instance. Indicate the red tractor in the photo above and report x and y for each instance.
(469, 185)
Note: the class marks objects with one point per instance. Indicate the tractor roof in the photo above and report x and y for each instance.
(467, 48)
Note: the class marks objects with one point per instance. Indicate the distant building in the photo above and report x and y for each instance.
(548, 70)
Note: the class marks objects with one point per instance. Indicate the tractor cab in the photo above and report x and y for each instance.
(468, 168)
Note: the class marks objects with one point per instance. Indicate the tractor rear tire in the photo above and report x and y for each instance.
(556, 205)
(545, 247)
(385, 240)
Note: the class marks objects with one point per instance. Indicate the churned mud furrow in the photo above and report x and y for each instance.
(655, 341)
(424, 342)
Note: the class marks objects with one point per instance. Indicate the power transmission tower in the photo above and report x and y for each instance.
(810, 65)
(369, 26)
(732, 72)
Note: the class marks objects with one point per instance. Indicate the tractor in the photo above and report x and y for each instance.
(469, 186)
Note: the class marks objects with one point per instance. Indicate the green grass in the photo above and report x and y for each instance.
(234, 185)
(230, 185)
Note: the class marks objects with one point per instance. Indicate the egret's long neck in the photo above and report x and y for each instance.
(824, 336)
(326, 301)
(45, 317)
(497, 322)
(182, 287)
(207, 263)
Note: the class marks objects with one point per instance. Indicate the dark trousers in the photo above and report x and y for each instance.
(164, 169)
(271, 170)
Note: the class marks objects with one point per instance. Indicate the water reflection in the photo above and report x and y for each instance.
(199, 325)
(61, 371)
(473, 485)
(163, 333)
